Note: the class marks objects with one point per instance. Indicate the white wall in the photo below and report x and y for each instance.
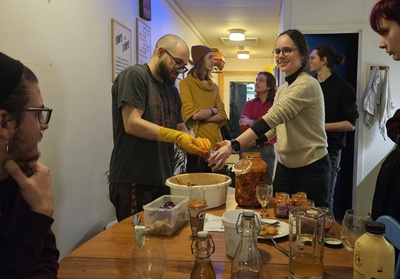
(67, 44)
(353, 17)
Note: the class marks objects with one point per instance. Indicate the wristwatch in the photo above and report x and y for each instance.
(235, 145)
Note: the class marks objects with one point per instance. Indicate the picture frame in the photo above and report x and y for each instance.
(143, 42)
(121, 47)
(145, 9)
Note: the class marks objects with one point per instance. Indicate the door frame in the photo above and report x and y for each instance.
(226, 77)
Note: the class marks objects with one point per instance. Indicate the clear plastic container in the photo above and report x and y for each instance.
(165, 221)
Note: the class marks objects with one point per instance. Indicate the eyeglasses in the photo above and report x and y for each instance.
(179, 66)
(285, 51)
(44, 114)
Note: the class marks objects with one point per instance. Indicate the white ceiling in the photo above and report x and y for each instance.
(213, 19)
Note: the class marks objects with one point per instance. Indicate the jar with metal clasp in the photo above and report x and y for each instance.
(250, 171)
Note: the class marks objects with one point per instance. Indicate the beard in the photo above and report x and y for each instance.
(166, 74)
(22, 149)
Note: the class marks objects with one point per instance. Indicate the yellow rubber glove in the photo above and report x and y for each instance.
(185, 141)
(205, 145)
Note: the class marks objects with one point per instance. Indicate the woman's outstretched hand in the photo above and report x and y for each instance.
(217, 159)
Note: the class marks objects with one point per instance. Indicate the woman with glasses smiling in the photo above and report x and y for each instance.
(27, 243)
(202, 108)
(297, 119)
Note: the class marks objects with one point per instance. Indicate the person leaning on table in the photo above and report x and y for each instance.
(27, 244)
(297, 119)
(147, 121)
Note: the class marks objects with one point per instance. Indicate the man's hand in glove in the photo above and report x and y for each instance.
(205, 145)
(185, 141)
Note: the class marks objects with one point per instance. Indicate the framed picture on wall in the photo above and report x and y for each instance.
(145, 9)
(121, 47)
(143, 41)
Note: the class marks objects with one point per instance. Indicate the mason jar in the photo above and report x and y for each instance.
(250, 171)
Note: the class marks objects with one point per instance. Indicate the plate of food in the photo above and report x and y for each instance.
(269, 227)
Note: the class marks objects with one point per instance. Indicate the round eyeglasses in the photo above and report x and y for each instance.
(44, 114)
(285, 51)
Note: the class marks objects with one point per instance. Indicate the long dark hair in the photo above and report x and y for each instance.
(19, 98)
(329, 52)
(197, 68)
(301, 43)
(384, 9)
(271, 82)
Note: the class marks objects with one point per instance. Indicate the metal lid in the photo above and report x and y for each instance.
(242, 167)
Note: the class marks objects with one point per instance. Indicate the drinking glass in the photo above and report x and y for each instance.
(264, 194)
(329, 220)
(353, 226)
(149, 260)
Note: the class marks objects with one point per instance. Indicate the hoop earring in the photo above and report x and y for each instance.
(6, 146)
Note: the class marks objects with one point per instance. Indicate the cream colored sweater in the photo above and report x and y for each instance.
(297, 118)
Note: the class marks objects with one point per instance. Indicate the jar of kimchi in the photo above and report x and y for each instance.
(250, 171)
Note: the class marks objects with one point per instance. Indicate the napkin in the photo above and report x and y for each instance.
(213, 223)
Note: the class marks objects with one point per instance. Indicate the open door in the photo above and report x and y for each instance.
(347, 44)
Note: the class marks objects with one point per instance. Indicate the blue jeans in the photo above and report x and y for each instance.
(268, 155)
(334, 154)
(314, 179)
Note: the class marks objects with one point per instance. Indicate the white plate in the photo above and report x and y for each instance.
(283, 229)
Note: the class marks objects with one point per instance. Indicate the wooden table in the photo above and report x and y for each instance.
(107, 254)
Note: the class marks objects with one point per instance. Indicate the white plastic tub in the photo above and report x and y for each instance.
(232, 237)
(215, 185)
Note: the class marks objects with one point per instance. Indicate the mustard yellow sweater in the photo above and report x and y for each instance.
(197, 95)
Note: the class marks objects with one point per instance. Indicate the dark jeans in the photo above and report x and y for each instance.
(314, 179)
(130, 198)
(334, 154)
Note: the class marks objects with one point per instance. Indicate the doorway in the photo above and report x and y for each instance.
(240, 92)
(347, 44)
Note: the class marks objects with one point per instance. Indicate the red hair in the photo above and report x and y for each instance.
(384, 9)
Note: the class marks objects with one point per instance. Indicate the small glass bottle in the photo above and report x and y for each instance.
(373, 254)
(202, 248)
(247, 260)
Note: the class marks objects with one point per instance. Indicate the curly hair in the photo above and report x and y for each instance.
(271, 82)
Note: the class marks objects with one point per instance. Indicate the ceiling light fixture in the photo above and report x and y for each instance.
(237, 35)
(243, 54)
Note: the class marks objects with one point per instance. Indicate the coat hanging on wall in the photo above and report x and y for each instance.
(378, 99)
